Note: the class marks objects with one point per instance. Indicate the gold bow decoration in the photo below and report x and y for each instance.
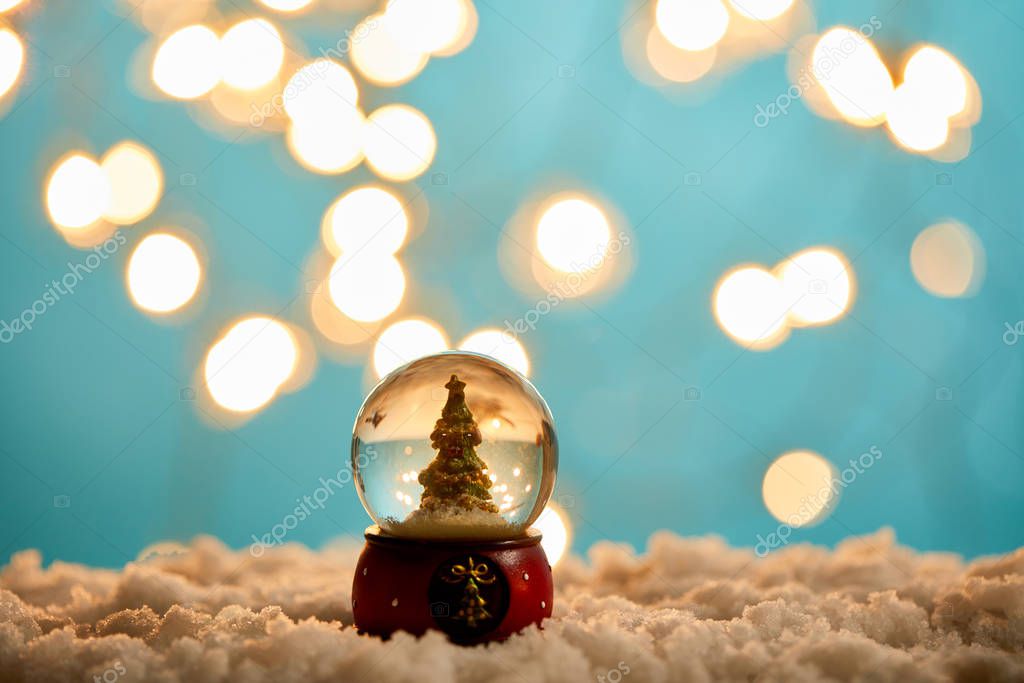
(472, 608)
(476, 572)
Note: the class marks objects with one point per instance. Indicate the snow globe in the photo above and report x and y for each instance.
(454, 457)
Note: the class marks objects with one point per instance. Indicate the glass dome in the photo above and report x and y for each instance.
(454, 445)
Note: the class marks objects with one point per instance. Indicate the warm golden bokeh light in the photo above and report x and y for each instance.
(246, 367)
(948, 260)
(252, 53)
(259, 108)
(939, 78)
(335, 325)
(12, 58)
(399, 142)
(381, 56)
(7, 5)
(136, 182)
(366, 220)
(750, 306)
(366, 287)
(328, 144)
(555, 532)
(913, 120)
(187, 64)
(532, 256)
(161, 17)
(798, 489)
(818, 285)
(427, 26)
(500, 346)
(762, 10)
(163, 273)
(674, 63)
(319, 88)
(853, 75)
(573, 235)
(469, 28)
(286, 5)
(78, 192)
(956, 148)
(692, 24)
(405, 341)
(930, 112)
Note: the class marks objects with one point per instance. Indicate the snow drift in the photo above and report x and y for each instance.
(689, 609)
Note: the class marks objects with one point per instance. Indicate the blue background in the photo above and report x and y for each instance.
(91, 395)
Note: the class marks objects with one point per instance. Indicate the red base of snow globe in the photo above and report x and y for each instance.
(474, 591)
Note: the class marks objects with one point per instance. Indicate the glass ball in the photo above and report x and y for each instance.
(457, 446)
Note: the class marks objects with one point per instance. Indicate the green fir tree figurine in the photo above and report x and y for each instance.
(456, 477)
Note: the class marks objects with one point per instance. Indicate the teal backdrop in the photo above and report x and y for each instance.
(100, 458)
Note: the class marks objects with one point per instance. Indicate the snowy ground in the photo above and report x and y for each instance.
(686, 610)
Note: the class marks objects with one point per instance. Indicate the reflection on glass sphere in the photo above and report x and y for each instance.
(454, 445)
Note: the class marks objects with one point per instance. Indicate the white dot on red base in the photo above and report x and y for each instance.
(394, 603)
(543, 604)
(364, 571)
(526, 577)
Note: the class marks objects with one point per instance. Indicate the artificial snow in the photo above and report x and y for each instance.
(452, 522)
(689, 609)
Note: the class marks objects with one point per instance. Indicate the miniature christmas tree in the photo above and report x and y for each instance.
(456, 477)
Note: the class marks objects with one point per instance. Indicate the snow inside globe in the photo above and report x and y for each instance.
(454, 446)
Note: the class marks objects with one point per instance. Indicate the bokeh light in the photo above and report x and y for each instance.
(853, 76)
(252, 53)
(399, 142)
(334, 325)
(762, 10)
(246, 367)
(957, 146)
(948, 260)
(427, 26)
(750, 306)
(573, 235)
(674, 63)
(187, 64)
(286, 5)
(539, 253)
(161, 17)
(818, 286)
(498, 345)
(259, 108)
(163, 273)
(913, 120)
(136, 182)
(939, 78)
(381, 56)
(7, 5)
(692, 24)
(366, 287)
(469, 28)
(12, 58)
(319, 88)
(930, 112)
(555, 532)
(78, 192)
(328, 144)
(366, 220)
(404, 341)
(327, 129)
(798, 488)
